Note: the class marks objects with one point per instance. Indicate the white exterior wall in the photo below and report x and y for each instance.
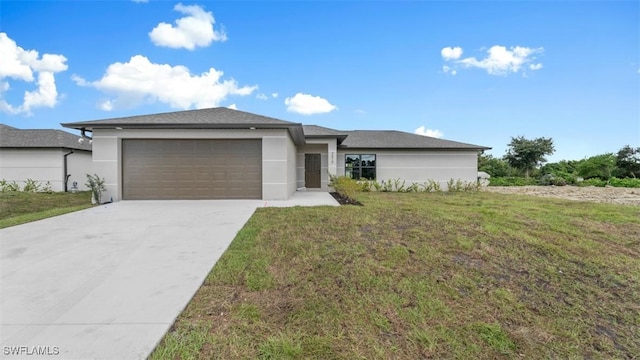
(278, 181)
(41, 165)
(419, 166)
(44, 165)
(79, 164)
(291, 166)
(327, 148)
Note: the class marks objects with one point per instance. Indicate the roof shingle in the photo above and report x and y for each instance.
(392, 139)
(205, 117)
(11, 137)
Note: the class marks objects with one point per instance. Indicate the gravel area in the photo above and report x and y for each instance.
(613, 195)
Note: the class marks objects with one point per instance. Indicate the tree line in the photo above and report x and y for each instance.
(527, 158)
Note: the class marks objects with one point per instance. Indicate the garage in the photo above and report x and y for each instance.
(166, 169)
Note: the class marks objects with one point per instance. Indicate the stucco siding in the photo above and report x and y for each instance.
(41, 165)
(291, 166)
(278, 181)
(419, 166)
(79, 164)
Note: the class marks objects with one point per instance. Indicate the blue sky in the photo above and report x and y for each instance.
(476, 72)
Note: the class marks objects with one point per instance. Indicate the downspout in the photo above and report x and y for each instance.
(82, 133)
(66, 176)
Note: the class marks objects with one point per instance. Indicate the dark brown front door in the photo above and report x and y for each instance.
(312, 170)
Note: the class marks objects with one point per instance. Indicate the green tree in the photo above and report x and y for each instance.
(599, 166)
(628, 162)
(526, 155)
(493, 166)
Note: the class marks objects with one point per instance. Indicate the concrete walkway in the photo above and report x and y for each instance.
(108, 282)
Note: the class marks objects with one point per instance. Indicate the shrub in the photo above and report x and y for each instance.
(366, 185)
(414, 187)
(6, 186)
(430, 186)
(512, 181)
(47, 188)
(345, 186)
(455, 185)
(593, 182)
(626, 182)
(386, 186)
(398, 185)
(550, 179)
(96, 184)
(31, 185)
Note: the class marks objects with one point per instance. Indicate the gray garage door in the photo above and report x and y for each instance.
(191, 169)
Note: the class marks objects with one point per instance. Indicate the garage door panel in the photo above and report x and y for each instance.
(191, 169)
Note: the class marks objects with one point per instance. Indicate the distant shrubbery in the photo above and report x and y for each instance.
(512, 181)
(621, 169)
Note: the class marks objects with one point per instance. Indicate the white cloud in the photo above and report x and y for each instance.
(359, 111)
(262, 96)
(306, 104)
(451, 53)
(428, 132)
(191, 31)
(274, 95)
(141, 80)
(537, 66)
(448, 70)
(502, 61)
(105, 105)
(19, 64)
(232, 107)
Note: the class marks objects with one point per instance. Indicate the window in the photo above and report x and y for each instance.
(360, 166)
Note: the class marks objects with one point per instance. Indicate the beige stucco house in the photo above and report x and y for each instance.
(222, 153)
(48, 156)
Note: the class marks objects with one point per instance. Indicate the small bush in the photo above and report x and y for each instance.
(626, 182)
(31, 185)
(96, 184)
(593, 182)
(512, 181)
(414, 187)
(455, 185)
(386, 186)
(550, 179)
(6, 186)
(398, 185)
(345, 186)
(431, 186)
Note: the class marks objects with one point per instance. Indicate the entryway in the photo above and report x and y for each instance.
(312, 166)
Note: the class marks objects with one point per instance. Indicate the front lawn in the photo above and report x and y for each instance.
(420, 275)
(22, 207)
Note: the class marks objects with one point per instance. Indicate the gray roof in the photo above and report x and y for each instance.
(213, 118)
(392, 139)
(321, 131)
(207, 118)
(11, 137)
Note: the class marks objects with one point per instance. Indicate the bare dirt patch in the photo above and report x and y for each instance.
(612, 195)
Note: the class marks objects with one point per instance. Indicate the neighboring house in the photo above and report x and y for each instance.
(222, 153)
(46, 156)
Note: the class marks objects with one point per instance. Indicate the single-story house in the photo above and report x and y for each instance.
(46, 156)
(222, 153)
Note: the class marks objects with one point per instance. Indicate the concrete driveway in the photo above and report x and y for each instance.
(108, 282)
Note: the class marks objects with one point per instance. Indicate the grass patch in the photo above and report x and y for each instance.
(23, 207)
(466, 275)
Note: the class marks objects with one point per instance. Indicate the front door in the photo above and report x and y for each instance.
(312, 171)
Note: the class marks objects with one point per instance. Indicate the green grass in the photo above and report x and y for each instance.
(23, 207)
(467, 275)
